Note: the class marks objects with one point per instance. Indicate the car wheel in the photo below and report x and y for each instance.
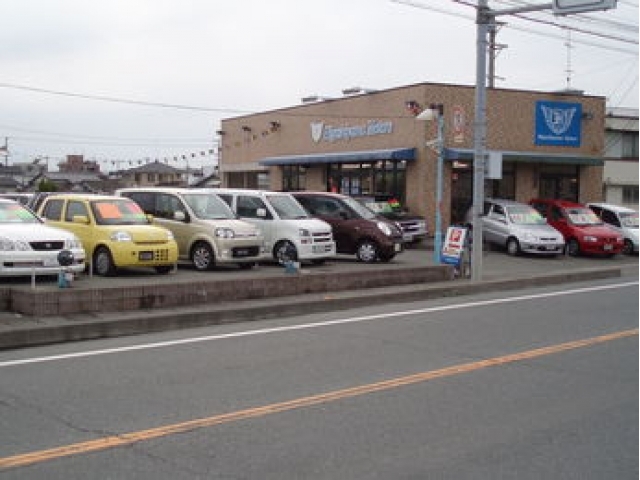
(573, 247)
(202, 256)
(513, 247)
(163, 269)
(367, 251)
(628, 247)
(103, 262)
(285, 251)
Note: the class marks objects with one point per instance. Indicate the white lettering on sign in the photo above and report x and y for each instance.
(329, 133)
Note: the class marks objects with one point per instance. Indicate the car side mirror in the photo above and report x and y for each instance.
(261, 213)
(180, 216)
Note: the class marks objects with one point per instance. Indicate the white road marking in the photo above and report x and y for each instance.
(306, 326)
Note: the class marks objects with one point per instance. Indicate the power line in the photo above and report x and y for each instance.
(103, 98)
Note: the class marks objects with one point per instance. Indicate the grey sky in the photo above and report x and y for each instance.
(239, 56)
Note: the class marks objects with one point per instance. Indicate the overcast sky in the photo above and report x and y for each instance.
(224, 58)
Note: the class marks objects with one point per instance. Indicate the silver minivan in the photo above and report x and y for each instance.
(519, 228)
(205, 228)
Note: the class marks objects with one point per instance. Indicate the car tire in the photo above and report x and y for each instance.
(573, 248)
(103, 262)
(285, 251)
(367, 251)
(513, 247)
(202, 257)
(163, 269)
(628, 247)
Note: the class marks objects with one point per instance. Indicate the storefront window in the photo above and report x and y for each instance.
(294, 177)
(386, 178)
(559, 181)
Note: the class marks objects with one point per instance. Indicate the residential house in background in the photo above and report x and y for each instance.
(620, 178)
(153, 174)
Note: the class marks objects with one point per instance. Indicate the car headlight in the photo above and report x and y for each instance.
(384, 228)
(530, 237)
(72, 243)
(590, 238)
(224, 232)
(7, 245)
(170, 235)
(120, 236)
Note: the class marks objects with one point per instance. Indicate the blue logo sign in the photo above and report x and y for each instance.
(558, 124)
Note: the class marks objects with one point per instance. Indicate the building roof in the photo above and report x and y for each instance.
(154, 167)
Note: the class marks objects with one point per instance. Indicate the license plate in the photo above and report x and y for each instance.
(320, 248)
(397, 247)
(407, 238)
(608, 247)
(242, 252)
(145, 256)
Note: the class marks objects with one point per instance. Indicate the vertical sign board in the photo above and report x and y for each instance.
(454, 244)
(558, 124)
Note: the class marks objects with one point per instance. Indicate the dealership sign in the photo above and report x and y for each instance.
(558, 123)
(329, 133)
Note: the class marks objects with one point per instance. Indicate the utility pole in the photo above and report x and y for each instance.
(485, 20)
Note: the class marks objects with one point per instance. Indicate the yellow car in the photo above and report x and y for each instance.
(114, 231)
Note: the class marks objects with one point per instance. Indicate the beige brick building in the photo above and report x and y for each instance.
(551, 145)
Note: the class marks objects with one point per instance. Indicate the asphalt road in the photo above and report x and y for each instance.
(538, 383)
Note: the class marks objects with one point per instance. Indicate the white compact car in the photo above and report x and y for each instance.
(624, 220)
(29, 247)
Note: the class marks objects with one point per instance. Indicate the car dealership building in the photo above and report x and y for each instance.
(541, 144)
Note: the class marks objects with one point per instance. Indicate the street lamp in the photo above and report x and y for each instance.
(436, 112)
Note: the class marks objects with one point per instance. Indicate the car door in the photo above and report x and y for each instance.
(495, 225)
(254, 210)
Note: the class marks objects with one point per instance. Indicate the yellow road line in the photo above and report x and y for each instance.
(144, 435)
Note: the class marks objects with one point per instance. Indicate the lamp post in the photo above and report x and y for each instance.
(436, 112)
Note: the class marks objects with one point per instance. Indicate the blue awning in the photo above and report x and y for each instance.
(453, 154)
(342, 157)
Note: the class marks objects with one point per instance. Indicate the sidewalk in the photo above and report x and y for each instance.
(411, 276)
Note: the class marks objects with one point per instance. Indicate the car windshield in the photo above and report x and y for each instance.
(629, 219)
(379, 207)
(523, 215)
(287, 207)
(118, 212)
(208, 206)
(582, 216)
(359, 208)
(15, 213)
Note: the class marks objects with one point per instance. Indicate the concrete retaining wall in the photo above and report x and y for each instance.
(53, 301)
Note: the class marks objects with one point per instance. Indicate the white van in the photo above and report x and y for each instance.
(205, 228)
(289, 232)
(622, 219)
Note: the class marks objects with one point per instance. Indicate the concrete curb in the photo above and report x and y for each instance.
(42, 331)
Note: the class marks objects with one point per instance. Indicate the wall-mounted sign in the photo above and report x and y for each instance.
(458, 120)
(329, 133)
(558, 123)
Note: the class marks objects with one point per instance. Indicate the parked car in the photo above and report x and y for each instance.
(21, 197)
(356, 228)
(114, 231)
(290, 234)
(29, 247)
(519, 228)
(205, 227)
(414, 227)
(583, 231)
(622, 219)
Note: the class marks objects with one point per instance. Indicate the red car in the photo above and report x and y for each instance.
(583, 231)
